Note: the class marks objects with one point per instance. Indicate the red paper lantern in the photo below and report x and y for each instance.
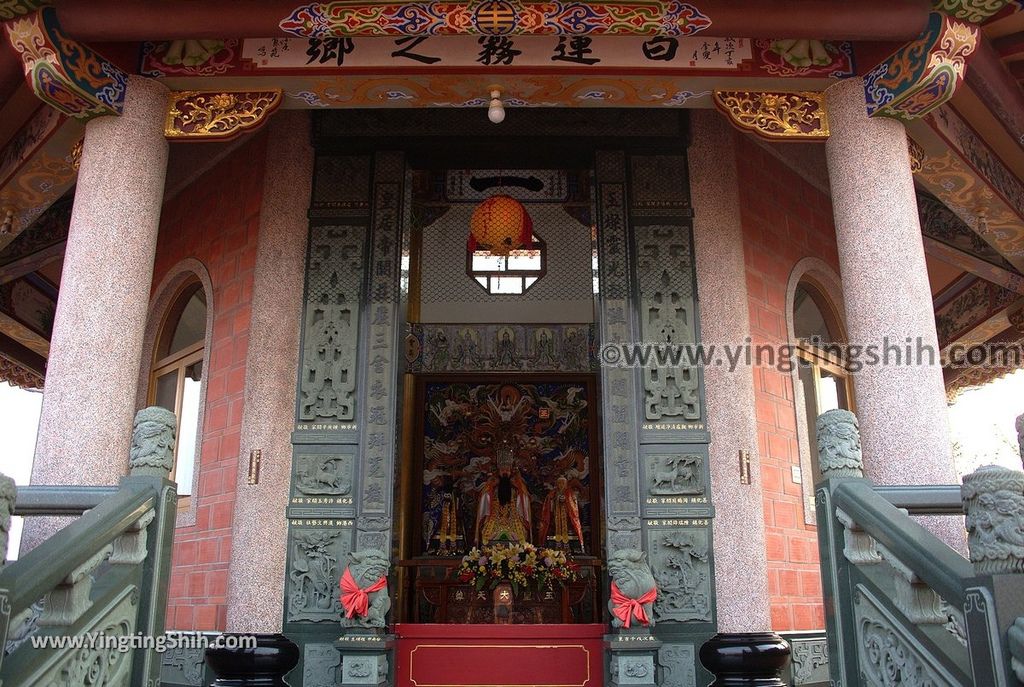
(500, 225)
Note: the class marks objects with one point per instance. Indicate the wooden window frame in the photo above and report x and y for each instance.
(178, 362)
(538, 244)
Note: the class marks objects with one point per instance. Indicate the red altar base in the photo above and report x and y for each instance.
(500, 655)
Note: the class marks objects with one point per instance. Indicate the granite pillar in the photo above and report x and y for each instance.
(741, 577)
(86, 421)
(901, 408)
(259, 545)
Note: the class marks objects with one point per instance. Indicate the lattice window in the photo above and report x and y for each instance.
(511, 274)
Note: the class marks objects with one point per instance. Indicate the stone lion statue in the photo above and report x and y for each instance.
(839, 453)
(632, 575)
(153, 439)
(367, 567)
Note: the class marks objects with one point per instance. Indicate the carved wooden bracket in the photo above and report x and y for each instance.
(923, 74)
(217, 115)
(70, 77)
(798, 116)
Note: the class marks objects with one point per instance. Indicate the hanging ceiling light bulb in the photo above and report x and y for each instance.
(496, 108)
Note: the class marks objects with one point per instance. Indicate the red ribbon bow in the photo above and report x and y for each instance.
(356, 601)
(626, 608)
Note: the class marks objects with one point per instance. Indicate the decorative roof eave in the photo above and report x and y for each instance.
(16, 375)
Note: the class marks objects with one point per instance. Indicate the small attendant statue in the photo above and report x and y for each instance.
(561, 508)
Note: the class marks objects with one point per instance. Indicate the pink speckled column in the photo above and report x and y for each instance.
(259, 546)
(92, 372)
(741, 568)
(901, 408)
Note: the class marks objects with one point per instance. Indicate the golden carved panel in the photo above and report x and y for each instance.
(799, 116)
(218, 115)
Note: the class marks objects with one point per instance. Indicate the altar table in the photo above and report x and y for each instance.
(434, 655)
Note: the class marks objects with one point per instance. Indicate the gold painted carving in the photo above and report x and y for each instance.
(217, 115)
(798, 116)
(916, 155)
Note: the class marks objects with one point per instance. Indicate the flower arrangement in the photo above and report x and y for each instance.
(523, 565)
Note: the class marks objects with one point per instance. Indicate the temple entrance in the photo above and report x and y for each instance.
(455, 417)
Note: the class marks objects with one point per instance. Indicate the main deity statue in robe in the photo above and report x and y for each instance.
(503, 511)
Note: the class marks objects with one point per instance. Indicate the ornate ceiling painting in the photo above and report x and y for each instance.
(36, 167)
(963, 172)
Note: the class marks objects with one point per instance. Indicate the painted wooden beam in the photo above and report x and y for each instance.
(880, 20)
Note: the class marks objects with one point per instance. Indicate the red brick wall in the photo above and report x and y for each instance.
(215, 220)
(785, 219)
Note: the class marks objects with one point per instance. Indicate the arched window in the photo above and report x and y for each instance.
(177, 376)
(825, 381)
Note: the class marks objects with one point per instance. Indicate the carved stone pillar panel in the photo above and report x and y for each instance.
(326, 442)
(619, 384)
(666, 293)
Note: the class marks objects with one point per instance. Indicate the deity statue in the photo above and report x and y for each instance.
(503, 512)
(444, 532)
(562, 507)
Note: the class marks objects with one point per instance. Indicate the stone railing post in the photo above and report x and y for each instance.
(993, 499)
(8, 494)
(152, 451)
(839, 452)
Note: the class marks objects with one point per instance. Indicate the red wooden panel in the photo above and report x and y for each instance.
(500, 655)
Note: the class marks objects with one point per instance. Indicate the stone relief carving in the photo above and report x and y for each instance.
(885, 655)
(153, 439)
(373, 532)
(839, 453)
(182, 666)
(320, 665)
(993, 499)
(810, 661)
(331, 323)
(313, 575)
(677, 665)
(667, 316)
(631, 573)
(101, 666)
(367, 566)
(321, 475)
(676, 474)
(680, 561)
(623, 532)
(490, 347)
